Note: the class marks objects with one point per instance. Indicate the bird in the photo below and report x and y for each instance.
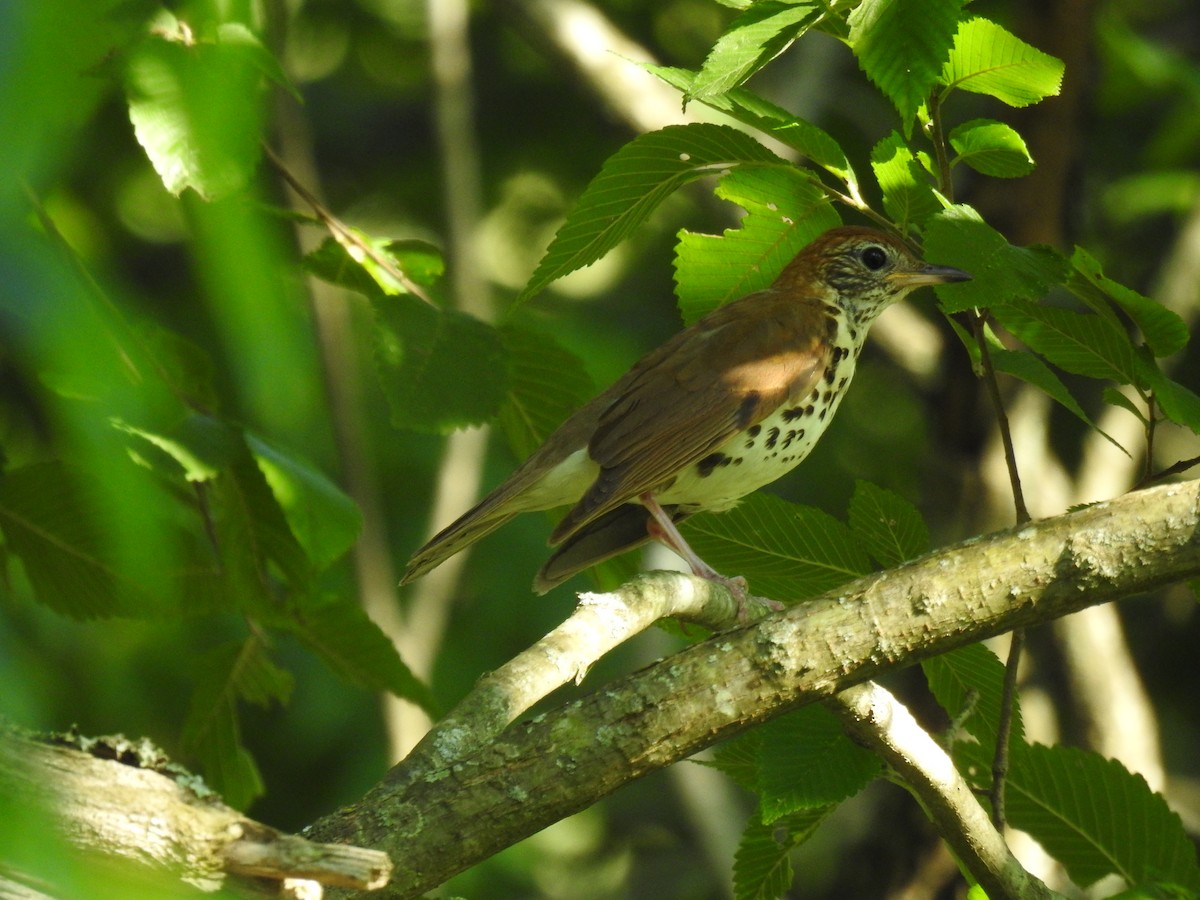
(722, 408)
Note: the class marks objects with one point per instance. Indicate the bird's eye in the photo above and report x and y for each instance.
(874, 258)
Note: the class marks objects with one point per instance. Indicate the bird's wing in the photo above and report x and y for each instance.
(727, 372)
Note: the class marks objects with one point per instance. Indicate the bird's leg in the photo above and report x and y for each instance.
(663, 529)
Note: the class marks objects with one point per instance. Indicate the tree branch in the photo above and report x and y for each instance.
(122, 799)
(879, 721)
(496, 792)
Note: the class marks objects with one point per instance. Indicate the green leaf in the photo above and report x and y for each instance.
(750, 41)
(211, 733)
(441, 368)
(50, 523)
(1031, 369)
(902, 46)
(1080, 343)
(959, 237)
(784, 212)
(199, 446)
(992, 148)
(632, 183)
(325, 521)
(968, 683)
(1180, 404)
(785, 551)
(1097, 818)
(547, 383)
(738, 758)
(354, 647)
(253, 533)
(1165, 332)
(762, 867)
(750, 109)
(907, 194)
(888, 526)
(197, 107)
(986, 59)
(806, 761)
(346, 263)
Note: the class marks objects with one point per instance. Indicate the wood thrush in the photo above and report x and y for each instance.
(719, 410)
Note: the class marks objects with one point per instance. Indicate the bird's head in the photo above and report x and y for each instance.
(862, 270)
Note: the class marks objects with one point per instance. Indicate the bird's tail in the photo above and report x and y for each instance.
(463, 531)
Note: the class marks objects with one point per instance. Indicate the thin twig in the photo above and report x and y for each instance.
(350, 239)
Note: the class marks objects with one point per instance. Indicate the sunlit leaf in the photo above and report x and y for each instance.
(907, 193)
(196, 107)
(992, 148)
(987, 59)
(749, 42)
(784, 212)
(958, 236)
(902, 46)
(632, 183)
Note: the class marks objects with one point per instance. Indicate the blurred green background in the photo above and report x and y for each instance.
(486, 169)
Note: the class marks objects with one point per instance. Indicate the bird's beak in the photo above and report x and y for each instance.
(914, 278)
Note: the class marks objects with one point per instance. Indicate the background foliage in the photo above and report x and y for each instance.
(186, 419)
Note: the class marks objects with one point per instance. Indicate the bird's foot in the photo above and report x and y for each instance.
(747, 604)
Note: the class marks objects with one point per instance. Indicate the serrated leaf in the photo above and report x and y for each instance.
(199, 446)
(738, 758)
(355, 648)
(749, 42)
(987, 59)
(1180, 404)
(546, 384)
(1097, 818)
(902, 46)
(907, 194)
(958, 236)
(750, 109)
(196, 108)
(784, 212)
(806, 761)
(1113, 397)
(441, 369)
(1165, 332)
(992, 148)
(968, 683)
(253, 534)
(1080, 343)
(1031, 369)
(888, 526)
(324, 520)
(49, 522)
(632, 183)
(762, 868)
(211, 733)
(367, 264)
(786, 551)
